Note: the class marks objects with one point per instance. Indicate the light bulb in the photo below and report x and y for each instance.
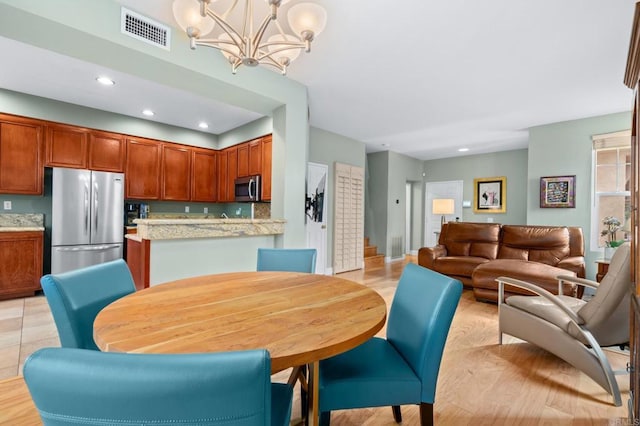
(187, 14)
(307, 17)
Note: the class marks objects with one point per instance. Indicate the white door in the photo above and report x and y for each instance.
(316, 212)
(435, 190)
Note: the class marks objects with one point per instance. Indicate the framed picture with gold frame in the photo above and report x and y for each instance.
(490, 195)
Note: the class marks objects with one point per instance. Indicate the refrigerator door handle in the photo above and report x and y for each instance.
(95, 207)
(86, 208)
(92, 248)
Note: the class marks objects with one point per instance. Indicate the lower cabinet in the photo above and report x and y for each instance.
(20, 263)
(138, 252)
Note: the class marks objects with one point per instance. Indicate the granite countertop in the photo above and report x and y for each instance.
(21, 222)
(168, 229)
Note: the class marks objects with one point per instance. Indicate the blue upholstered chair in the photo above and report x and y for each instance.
(76, 297)
(77, 386)
(403, 368)
(288, 260)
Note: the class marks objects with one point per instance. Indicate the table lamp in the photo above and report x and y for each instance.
(443, 206)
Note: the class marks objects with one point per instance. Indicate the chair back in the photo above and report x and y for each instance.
(419, 321)
(288, 260)
(76, 297)
(76, 386)
(606, 315)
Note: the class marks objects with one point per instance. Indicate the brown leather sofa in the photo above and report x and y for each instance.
(478, 253)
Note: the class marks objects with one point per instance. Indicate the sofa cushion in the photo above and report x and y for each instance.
(484, 276)
(471, 239)
(543, 244)
(455, 266)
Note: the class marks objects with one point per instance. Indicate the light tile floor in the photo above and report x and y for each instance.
(26, 325)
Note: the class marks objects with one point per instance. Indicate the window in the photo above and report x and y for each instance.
(611, 180)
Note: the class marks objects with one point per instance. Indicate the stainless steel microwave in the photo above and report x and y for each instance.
(247, 188)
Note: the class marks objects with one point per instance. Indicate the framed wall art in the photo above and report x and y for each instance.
(490, 195)
(558, 192)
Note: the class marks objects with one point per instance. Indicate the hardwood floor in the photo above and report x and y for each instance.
(480, 382)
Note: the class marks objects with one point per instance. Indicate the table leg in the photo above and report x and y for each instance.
(313, 394)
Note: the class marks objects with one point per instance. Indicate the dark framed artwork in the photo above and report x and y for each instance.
(558, 192)
(490, 195)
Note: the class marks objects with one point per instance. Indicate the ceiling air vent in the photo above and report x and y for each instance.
(145, 29)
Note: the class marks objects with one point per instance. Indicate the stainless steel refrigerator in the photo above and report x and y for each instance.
(87, 221)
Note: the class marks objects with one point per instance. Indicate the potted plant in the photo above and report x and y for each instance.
(611, 227)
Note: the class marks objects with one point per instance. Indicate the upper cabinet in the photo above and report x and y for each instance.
(78, 148)
(243, 159)
(66, 146)
(255, 157)
(266, 167)
(142, 175)
(250, 158)
(176, 172)
(107, 152)
(21, 150)
(204, 175)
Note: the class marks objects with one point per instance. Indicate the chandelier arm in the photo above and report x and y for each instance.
(231, 8)
(215, 44)
(268, 54)
(263, 27)
(248, 13)
(226, 28)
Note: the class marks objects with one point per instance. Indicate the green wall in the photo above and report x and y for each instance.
(386, 201)
(328, 148)
(561, 149)
(511, 164)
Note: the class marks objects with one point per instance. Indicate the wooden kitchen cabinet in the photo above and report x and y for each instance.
(266, 146)
(223, 176)
(250, 158)
(243, 160)
(142, 175)
(21, 155)
(66, 146)
(20, 263)
(227, 173)
(255, 157)
(204, 176)
(107, 152)
(176, 173)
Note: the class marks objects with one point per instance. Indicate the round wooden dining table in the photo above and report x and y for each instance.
(299, 318)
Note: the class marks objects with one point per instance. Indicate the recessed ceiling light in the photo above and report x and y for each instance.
(203, 125)
(148, 113)
(386, 145)
(106, 81)
(463, 149)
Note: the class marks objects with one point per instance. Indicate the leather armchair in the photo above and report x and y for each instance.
(76, 386)
(573, 329)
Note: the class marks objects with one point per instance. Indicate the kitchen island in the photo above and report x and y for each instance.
(170, 249)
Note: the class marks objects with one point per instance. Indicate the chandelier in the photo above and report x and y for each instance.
(240, 41)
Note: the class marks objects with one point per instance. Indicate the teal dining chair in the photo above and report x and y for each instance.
(76, 297)
(288, 260)
(403, 368)
(78, 386)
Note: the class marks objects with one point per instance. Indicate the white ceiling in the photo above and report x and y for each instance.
(418, 77)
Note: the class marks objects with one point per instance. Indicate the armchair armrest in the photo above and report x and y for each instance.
(575, 280)
(428, 255)
(540, 292)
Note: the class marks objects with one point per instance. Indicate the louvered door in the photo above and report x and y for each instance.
(348, 238)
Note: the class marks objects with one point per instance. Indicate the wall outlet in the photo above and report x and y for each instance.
(7, 205)
(186, 209)
(206, 210)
